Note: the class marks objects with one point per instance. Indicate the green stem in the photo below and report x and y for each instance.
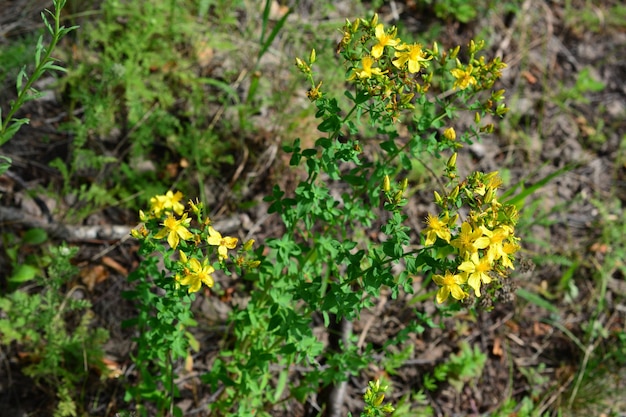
(39, 70)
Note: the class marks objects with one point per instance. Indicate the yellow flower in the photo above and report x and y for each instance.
(469, 241)
(414, 55)
(223, 243)
(367, 71)
(167, 202)
(175, 230)
(508, 248)
(436, 228)
(384, 39)
(496, 242)
(450, 284)
(477, 269)
(197, 274)
(464, 78)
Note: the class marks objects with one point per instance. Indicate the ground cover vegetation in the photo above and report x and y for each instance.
(312, 208)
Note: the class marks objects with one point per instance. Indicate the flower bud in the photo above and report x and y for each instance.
(386, 184)
(472, 46)
(492, 177)
(404, 184)
(502, 109)
(374, 20)
(498, 95)
(253, 264)
(438, 198)
(491, 192)
(302, 66)
(454, 193)
(406, 98)
(312, 57)
(248, 245)
(451, 165)
(511, 213)
(449, 133)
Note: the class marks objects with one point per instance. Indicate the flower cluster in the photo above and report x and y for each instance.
(374, 397)
(484, 242)
(169, 219)
(385, 66)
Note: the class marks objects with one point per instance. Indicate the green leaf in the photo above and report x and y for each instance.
(12, 130)
(35, 236)
(280, 385)
(55, 67)
(38, 50)
(193, 342)
(8, 332)
(19, 82)
(389, 146)
(46, 23)
(229, 90)
(265, 43)
(332, 124)
(5, 304)
(537, 300)
(519, 199)
(23, 273)
(5, 164)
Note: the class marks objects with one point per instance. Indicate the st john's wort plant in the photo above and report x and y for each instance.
(192, 254)
(404, 99)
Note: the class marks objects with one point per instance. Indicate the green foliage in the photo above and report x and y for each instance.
(460, 10)
(60, 352)
(462, 368)
(594, 17)
(16, 56)
(23, 267)
(155, 99)
(585, 83)
(415, 405)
